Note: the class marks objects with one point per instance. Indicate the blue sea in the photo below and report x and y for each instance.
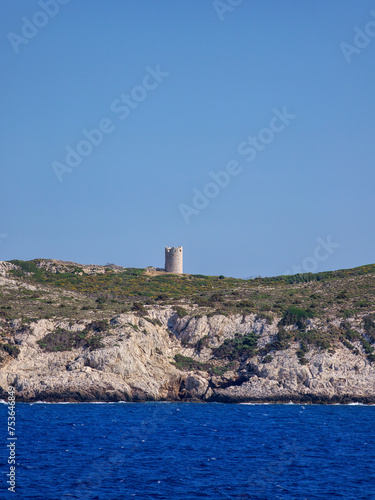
(179, 451)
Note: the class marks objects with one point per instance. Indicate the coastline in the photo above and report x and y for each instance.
(303, 400)
(189, 349)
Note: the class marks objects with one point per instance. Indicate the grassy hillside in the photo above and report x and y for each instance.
(344, 293)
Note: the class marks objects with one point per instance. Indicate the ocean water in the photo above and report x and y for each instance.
(179, 451)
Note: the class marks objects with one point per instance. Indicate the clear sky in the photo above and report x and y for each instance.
(118, 115)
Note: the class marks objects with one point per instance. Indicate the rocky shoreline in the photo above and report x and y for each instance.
(137, 363)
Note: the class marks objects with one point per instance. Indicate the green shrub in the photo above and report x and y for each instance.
(181, 312)
(60, 340)
(267, 359)
(218, 370)
(267, 317)
(26, 266)
(350, 346)
(367, 346)
(163, 296)
(352, 335)
(314, 338)
(241, 345)
(94, 343)
(13, 350)
(280, 343)
(184, 363)
(139, 308)
(154, 321)
(301, 353)
(133, 271)
(301, 278)
(135, 327)
(203, 342)
(65, 340)
(362, 303)
(101, 325)
(347, 313)
(296, 316)
(204, 302)
(6, 314)
(349, 333)
(245, 305)
(369, 327)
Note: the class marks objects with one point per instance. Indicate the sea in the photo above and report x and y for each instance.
(189, 451)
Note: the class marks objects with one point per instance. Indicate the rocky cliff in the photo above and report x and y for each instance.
(156, 352)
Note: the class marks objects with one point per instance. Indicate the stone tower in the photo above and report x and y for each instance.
(173, 260)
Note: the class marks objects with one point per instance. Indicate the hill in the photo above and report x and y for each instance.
(75, 332)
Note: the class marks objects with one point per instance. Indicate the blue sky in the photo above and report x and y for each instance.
(176, 88)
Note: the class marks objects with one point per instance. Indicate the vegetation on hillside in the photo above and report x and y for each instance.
(65, 340)
(70, 292)
(186, 363)
(344, 293)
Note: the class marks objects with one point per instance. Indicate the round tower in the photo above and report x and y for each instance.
(173, 260)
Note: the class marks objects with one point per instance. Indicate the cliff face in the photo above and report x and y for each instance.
(132, 365)
(137, 363)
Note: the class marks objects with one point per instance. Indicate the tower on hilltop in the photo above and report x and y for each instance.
(173, 260)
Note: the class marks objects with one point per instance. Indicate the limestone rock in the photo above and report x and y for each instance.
(137, 364)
